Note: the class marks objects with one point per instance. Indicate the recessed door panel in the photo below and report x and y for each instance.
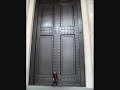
(46, 55)
(67, 54)
(47, 16)
(67, 15)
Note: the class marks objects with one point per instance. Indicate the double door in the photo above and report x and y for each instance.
(59, 43)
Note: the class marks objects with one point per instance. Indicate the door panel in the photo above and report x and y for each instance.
(67, 55)
(67, 15)
(47, 16)
(59, 43)
(46, 55)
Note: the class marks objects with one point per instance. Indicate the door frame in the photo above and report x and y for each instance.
(32, 30)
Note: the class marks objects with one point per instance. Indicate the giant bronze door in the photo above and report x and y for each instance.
(59, 43)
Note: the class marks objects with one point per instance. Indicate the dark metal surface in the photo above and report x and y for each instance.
(57, 43)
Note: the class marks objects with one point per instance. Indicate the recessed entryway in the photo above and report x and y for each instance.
(57, 43)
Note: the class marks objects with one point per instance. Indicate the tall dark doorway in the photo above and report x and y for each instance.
(57, 43)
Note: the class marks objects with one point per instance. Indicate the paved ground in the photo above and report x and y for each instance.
(56, 88)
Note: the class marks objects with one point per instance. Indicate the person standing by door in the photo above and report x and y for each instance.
(54, 78)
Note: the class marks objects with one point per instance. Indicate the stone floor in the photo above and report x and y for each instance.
(56, 88)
